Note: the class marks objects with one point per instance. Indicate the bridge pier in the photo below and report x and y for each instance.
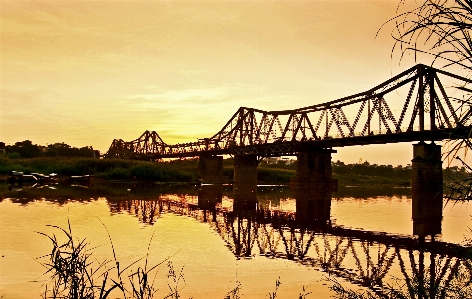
(314, 171)
(210, 168)
(245, 182)
(313, 185)
(245, 169)
(426, 189)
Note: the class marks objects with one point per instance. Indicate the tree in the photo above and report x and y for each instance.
(438, 28)
(442, 30)
(25, 149)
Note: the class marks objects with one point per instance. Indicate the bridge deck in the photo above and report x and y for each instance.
(293, 147)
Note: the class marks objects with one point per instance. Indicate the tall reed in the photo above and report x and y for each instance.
(74, 273)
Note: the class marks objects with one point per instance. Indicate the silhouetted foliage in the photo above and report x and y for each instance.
(438, 28)
(64, 150)
(441, 29)
(26, 149)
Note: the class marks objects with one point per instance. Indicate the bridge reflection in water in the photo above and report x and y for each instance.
(251, 227)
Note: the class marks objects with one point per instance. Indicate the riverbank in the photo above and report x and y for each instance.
(187, 170)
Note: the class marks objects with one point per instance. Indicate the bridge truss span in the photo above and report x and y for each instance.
(146, 144)
(422, 103)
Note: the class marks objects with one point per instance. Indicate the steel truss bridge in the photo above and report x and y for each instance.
(372, 259)
(422, 103)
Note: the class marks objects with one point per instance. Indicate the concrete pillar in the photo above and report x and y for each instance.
(314, 171)
(245, 169)
(245, 185)
(313, 185)
(210, 169)
(426, 189)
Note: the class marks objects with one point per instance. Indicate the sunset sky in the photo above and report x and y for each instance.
(86, 72)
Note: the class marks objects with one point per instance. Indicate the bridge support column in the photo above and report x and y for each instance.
(245, 169)
(245, 179)
(426, 189)
(314, 171)
(313, 185)
(210, 168)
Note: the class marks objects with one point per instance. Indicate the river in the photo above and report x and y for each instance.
(216, 240)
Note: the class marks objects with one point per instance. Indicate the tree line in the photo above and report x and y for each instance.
(365, 169)
(26, 149)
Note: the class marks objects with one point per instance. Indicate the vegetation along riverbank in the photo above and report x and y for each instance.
(187, 170)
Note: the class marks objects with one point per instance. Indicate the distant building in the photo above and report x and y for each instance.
(272, 160)
(287, 161)
(278, 160)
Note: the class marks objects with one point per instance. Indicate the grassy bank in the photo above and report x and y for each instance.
(175, 171)
(113, 169)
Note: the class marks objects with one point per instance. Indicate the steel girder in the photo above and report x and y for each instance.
(149, 143)
(414, 101)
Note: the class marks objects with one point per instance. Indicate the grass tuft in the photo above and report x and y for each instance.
(75, 274)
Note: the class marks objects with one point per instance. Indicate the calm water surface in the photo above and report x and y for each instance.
(218, 237)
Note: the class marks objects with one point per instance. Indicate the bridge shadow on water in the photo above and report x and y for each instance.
(276, 223)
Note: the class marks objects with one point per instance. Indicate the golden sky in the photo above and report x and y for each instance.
(86, 72)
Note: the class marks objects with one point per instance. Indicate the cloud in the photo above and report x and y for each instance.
(188, 95)
(226, 99)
